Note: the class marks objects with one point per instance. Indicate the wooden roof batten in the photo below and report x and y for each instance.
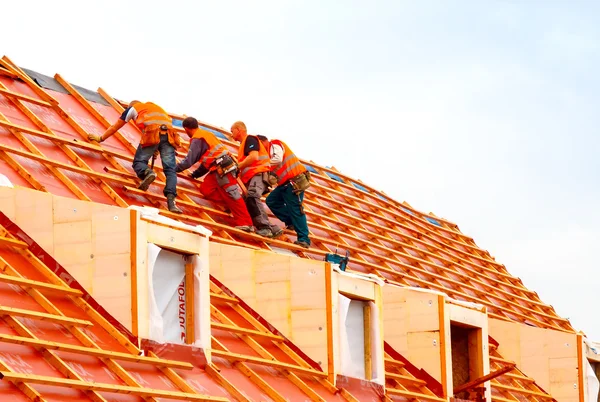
(427, 251)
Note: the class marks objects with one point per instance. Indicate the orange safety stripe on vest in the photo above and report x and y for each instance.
(149, 119)
(290, 165)
(262, 164)
(215, 148)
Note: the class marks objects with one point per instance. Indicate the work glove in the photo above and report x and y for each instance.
(95, 138)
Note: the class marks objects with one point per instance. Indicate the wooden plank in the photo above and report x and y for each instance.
(521, 390)
(100, 387)
(41, 286)
(13, 68)
(26, 389)
(244, 331)
(236, 357)
(17, 312)
(133, 233)
(221, 297)
(443, 342)
(213, 371)
(392, 362)
(76, 169)
(10, 242)
(405, 378)
(329, 311)
(367, 340)
(9, 93)
(414, 395)
(65, 347)
(189, 304)
(477, 382)
(51, 357)
(61, 140)
(581, 362)
(71, 89)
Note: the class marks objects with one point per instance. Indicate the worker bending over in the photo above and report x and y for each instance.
(254, 167)
(157, 135)
(219, 184)
(292, 178)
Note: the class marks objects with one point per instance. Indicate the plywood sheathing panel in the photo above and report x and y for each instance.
(549, 357)
(91, 240)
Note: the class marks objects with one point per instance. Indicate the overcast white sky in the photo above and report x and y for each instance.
(483, 112)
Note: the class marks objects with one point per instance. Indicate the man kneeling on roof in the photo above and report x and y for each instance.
(254, 170)
(157, 135)
(292, 179)
(220, 183)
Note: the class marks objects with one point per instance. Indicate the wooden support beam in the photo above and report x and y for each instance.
(392, 362)
(189, 304)
(477, 382)
(76, 169)
(13, 68)
(16, 95)
(65, 347)
(51, 357)
(244, 331)
(41, 286)
(110, 388)
(94, 112)
(213, 371)
(221, 297)
(236, 357)
(405, 378)
(36, 315)
(367, 341)
(26, 389)
(522, 391)
(10, 242)
(414, 395)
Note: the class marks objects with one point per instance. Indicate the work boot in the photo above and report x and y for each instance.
(302, 243)
(249, 229)
(265, 232)
(149, 177)
(171, 204)
(290, 227)
(276, 231)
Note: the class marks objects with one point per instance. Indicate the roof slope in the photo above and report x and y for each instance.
(56, 343)
(43, 145)
(56, 346)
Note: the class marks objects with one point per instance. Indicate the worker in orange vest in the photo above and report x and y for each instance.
(254, 167)
(285, 201)
(157, 135)
(219, 170)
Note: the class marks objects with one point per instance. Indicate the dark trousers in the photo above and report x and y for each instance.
(287, 207)
(167, 157)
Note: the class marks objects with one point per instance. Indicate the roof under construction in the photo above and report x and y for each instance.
(57, 342)
(44, 146)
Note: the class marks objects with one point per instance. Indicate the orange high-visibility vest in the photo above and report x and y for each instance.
(262, 164)
(215, 148)
(290, 165)
(149, 119)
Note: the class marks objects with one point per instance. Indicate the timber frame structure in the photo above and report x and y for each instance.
(44, 124)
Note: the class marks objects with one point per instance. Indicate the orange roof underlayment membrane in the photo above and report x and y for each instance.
(55, 345)
(43, 145)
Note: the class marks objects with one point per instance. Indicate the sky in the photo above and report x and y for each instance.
(482, 112)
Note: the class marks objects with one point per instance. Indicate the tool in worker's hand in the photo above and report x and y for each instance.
(154, 155)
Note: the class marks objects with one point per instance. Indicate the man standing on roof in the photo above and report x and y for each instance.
(285, 201)
(254, 166)
(157, 135)
(220, 183)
